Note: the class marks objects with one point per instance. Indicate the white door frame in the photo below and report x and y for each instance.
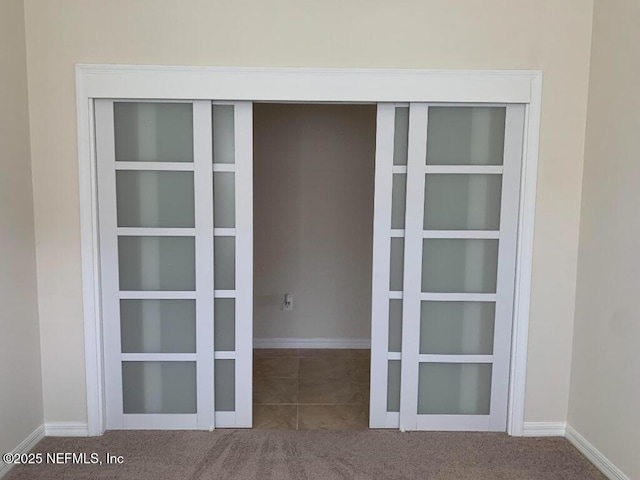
(301, 85)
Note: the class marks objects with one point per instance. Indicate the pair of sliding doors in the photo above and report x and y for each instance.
(175, 203)
(445, 228)
(176, 240)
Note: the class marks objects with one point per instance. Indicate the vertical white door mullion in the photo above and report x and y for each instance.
(203, 197)
(107, 218)
(513, 144)
(385, 126)
(243, 128)
(412, 282)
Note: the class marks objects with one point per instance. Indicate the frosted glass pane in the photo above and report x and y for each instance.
(454, 388)
(393, 386)
(157, 263)
(225, 385)
(401, 136)
(153, 132)
(225, 324)
(155, 199)
(223, 134)
(465, 135)
(462, 202)
(224, 263)
(398, 200)
(395, 325)
(459, 266)
(159, 387)
(224, 200)
(158, 326)
(397, 264)
(457, 328)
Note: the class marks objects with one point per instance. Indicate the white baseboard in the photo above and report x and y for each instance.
(311, 343)
(25, 446)
(544, 429)
(66, 429)
(594, 455)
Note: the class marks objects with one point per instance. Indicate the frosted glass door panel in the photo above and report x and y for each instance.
(459, 266)
(224, 263)
(395, 325)
(224, 200)
(454, 388)
(159, 387)
(398, 200)
(465, 135)
(225, 324)
(223, 134)
(397, 264)
(225, 385)
(158, 326)
(393, 386)
(156, 263)
(457, 328)
(462, 202)
(401, 136)
(153, 132)
(155, 199)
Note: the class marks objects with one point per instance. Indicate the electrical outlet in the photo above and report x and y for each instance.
(287, 302)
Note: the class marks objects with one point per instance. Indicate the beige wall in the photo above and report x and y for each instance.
(313, 220)
(493, 34)
(20, 377)
(605, 381)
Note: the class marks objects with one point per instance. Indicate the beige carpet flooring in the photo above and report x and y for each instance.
(302, 455)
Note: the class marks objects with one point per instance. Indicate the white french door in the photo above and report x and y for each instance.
(445, 226)
(175, 216)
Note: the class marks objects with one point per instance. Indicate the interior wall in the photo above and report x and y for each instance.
(20, 375)
(552, 36)
(313, 220)
(605, 380)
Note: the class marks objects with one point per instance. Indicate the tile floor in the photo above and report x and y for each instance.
(311, 389)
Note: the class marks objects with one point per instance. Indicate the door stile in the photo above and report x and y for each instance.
(505, 285)
(385, 127)
(203, 193)
(243, 127)
(417, 152)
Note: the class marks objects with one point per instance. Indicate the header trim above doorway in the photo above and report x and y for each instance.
(302, 85)
(306, 84)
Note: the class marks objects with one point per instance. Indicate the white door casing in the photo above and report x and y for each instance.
(302, 85)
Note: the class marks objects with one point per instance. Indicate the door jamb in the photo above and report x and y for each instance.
(302, 85)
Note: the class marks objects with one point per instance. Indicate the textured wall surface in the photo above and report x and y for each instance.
(605, 375)
(552, 36)
(313, 218)
(20, 377)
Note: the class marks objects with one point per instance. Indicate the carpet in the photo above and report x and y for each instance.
(307, 455)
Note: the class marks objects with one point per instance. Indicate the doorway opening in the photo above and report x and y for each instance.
(313, 230)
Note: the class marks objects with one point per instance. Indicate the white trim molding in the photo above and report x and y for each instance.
(524, 261)
(594, 455)
(66, 429)
(24, 447)
(334, 343)
(301, 85)
(544, 429)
